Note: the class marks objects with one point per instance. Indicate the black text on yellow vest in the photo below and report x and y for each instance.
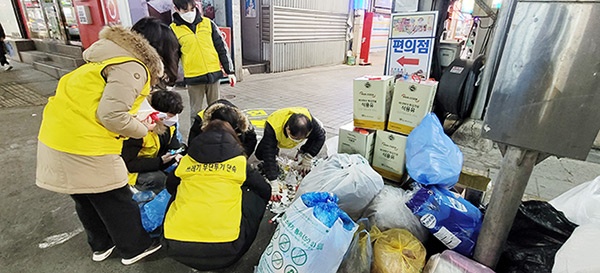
(208, 204)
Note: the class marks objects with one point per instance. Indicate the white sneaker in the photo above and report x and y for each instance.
(99, 256)
(9, 67)
(155, 246)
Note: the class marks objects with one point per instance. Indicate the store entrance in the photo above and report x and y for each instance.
(52, 19)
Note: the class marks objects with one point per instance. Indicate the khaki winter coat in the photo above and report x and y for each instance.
(77, 174)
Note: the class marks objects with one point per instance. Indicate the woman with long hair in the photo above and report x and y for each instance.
(83, 128)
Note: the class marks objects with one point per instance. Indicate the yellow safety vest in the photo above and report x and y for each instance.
(208, 204)
(70, 124)
(198, 54)
(278, 119)
(150, 148)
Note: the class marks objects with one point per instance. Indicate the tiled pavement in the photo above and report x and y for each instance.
(30, 215)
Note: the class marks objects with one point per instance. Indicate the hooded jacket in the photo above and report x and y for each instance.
(71, 173)
(245, 130)
(207, 190)
(203, 51)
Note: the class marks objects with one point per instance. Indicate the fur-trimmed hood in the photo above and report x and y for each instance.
(116, 41)
(244, 123)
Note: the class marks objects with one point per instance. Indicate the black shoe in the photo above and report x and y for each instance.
(155, 246)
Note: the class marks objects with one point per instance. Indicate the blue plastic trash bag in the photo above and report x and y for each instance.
(431, 156)
(142, 197)
(313, 236)
(451, 219)
(153, 212)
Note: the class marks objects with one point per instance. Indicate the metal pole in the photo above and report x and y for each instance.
(493, 56)
(509, 187)
(237, 39)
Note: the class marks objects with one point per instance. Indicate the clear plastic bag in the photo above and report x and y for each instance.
(581, 205)
(360, 253)
(432, 158)
(396, 251)
(388, 210)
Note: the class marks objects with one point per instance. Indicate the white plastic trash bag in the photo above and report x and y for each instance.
(579, 254)
(388, 210)
(350, 177)
(581, 205)
(312, 236)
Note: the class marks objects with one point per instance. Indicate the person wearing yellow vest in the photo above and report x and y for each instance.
(148, 158)
(218, 201)
(287, 128)
(225, 110)
(83, 128)
(203, 53)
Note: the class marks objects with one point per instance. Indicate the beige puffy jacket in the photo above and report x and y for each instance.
(74, 174)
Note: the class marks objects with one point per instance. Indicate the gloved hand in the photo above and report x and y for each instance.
(305, 163)
(275, 194)
(232, 80)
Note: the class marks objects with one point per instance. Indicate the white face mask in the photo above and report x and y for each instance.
(171, 121)
(189, 16)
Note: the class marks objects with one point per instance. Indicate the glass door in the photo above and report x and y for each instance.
(70, 21)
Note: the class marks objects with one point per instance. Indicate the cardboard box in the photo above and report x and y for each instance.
(389, 157)
(372, 97)
(354, 140)
(410, 103)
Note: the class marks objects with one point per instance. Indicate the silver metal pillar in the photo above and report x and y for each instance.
(493, 55)
(509, 187)
(237, 39)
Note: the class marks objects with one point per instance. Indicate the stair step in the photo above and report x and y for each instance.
(59, 60)
(256, 68)
(58, 48)
(51, 69)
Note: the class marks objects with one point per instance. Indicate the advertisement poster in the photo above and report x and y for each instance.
(412, 25)
(250, 8)
(410, 44)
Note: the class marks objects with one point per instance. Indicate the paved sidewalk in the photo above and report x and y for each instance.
(39, 231)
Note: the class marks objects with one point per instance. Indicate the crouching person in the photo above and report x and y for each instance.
(147, 158)
(218, 201)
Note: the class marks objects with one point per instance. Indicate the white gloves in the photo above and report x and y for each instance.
(275, 195)
(232, 80)
(305, 163)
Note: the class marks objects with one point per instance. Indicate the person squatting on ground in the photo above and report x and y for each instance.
(224, 110)
(148, 158)
(3, 51)
(83, 128)
(218, 201)
(203, 52)
(286, 128)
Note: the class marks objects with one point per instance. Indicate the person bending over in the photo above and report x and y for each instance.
(287, 128)
(218, 201)
(147, 158)
(224, 110)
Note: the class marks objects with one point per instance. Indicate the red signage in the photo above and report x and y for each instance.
(226, 34)
(111, 12)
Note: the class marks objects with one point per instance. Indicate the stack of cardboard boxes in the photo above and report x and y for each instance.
(385, 112)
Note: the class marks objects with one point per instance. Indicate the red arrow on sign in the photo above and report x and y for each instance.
(403, 61)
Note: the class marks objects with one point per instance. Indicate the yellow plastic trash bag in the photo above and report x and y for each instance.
(396, 251)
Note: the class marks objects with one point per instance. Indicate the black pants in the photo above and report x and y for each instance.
(112, 218)
(210, 256)
(3, 60)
